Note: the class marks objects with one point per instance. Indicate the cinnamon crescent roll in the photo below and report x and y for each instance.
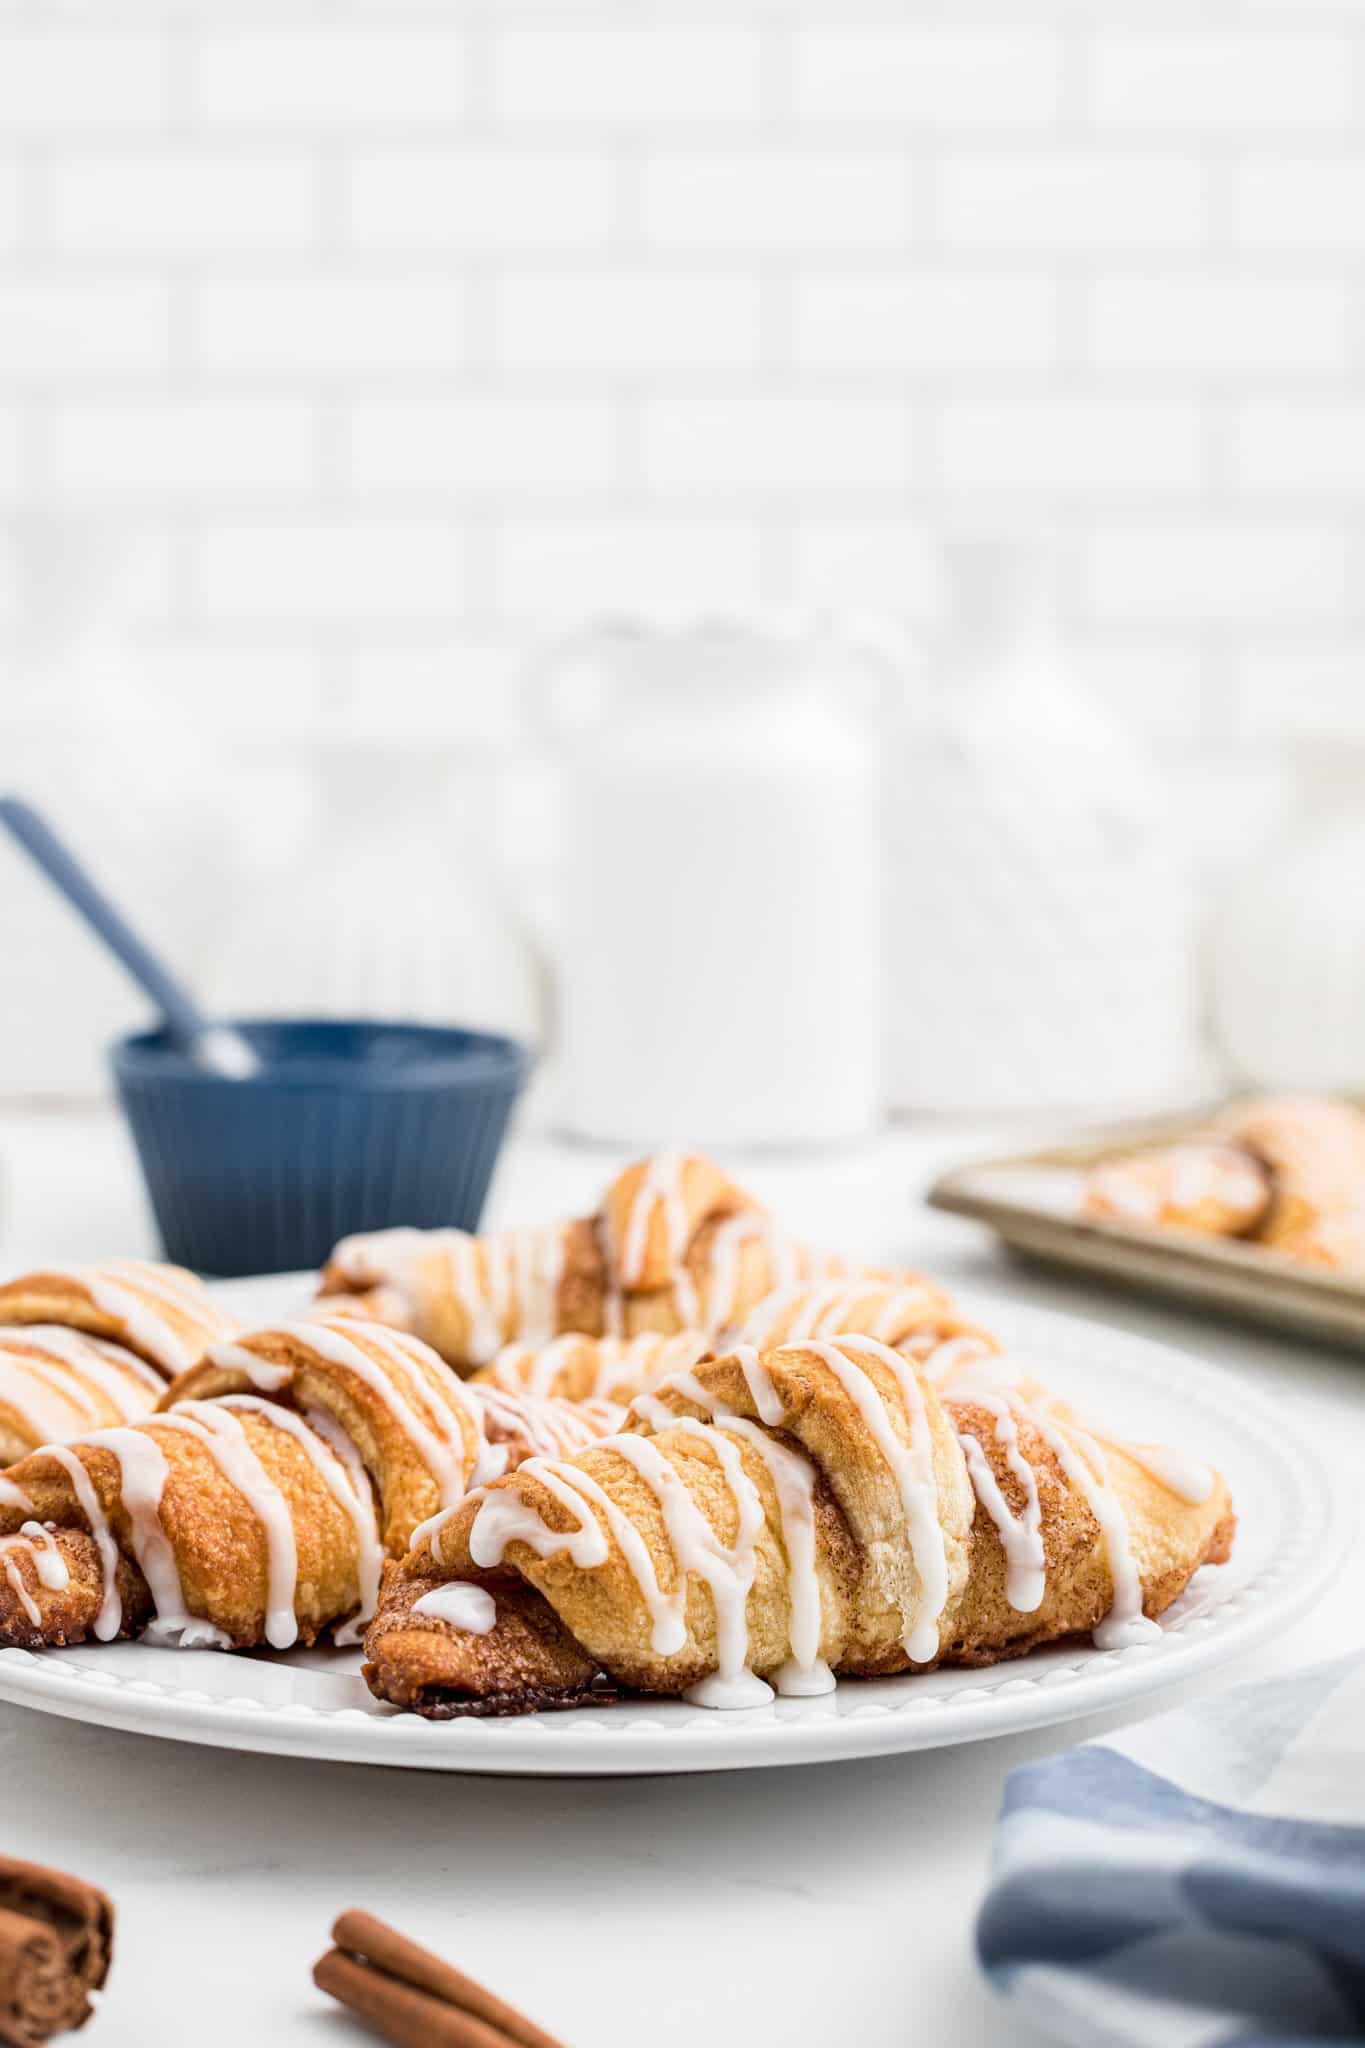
(674, 1246)
(770, 1521)
(1208, 1186)
(918, 1320)
(1313, 1149)
(1284, 1172)
(161, 1313)
(56, 1382)
(577, 1368)
(257, 1504)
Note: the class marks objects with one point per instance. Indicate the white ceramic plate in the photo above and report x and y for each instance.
(1291, 1536)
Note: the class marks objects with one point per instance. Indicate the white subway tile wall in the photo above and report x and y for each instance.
(389, 335)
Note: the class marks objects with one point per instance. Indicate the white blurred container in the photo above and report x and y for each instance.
(80, 735)
(1287, 945)
(1040, 904)
(394, 910)
(719, 920)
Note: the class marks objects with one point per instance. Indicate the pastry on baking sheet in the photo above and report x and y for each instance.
(1286, 1172)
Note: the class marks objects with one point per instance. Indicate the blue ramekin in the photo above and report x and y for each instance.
(348, 1126)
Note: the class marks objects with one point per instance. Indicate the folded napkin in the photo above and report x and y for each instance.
(1194, 1881)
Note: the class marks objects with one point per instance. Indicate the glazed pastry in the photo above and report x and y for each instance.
(162, 1313)
(54, 1383)
(1205, 1185)
(256, 1506)
(918, 1320)
(224, 1525)
(675, 1246)
(576, 1368)
(1284, 1172)
(422, 1436)
(1314, 1151)
(772, 1520)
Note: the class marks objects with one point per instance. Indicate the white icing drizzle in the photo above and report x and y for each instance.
(1021, 1537)
(343, 1473)
(143, 1475)
(727, 1569)
(941, 1361)
(619, 1364)
(16, 1583)
(660, 1190)
(1181, 1475)
(534, 1368)
(142, 1480)
(549, 1427)
(119, 1288)
(464, 1606)
(404, 1390)
(769, 1403)
(911, 1466)
(993, 1382)
(218, 1429)
(483, 1325)
(49, 1402)
(763, 1320)
(723, 1265)
(109, 1365)
(539, 1259)
(904, 1317)
(822, 1312)
(58, 1381)
(48, 1563)
(261, 1373)
(1084, 1465)
(110, 1617)
(503, 1517)
(793, 1476)
(661, 1182)
(12, 1496)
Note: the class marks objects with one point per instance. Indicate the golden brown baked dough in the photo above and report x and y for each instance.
(1313, 1149)
(219, 1524)
(914, 1317)
(55, 1382)
(1286, 1172)
(1205, 1184)
(162, 1313)
(577, 1368)
(820, 1508)
(257, 1504)
(674, 1246)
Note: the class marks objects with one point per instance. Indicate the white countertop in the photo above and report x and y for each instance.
(827, 1903)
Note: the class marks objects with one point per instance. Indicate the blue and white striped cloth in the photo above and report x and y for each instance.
(1196, 1880)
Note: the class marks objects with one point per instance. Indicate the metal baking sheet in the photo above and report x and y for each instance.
(1030, 1201)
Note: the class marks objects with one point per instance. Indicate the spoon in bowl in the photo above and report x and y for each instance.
(216, 1046)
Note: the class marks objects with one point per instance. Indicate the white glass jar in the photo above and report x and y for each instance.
(719, 922)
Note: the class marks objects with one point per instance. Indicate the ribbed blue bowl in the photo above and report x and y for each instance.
(348, 1126)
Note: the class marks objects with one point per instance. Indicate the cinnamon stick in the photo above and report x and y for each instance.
(56, 1937)
(414, 1998)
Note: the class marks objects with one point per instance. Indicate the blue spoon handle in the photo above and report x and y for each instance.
(40, 842)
